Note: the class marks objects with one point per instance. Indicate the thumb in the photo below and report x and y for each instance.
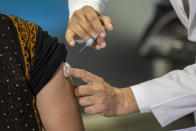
(69, 36)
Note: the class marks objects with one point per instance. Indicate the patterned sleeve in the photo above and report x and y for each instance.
(42, 53)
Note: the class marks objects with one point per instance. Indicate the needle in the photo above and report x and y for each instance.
(83, 48)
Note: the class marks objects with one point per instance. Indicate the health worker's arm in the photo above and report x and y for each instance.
(172, 96)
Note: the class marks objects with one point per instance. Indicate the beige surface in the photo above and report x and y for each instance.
(135, 122)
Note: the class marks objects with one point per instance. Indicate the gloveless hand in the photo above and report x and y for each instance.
(99, 97)
(86, 23)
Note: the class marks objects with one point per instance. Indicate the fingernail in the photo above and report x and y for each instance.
(103, 44)
(72, 43)
(98, 47)
(110, 26)
(102, 34)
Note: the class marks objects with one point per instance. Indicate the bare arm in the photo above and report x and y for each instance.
(57, 105)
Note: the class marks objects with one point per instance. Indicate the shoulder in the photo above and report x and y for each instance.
(27, 33)
(25, 29)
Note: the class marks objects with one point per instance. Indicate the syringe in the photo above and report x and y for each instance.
(89, 43)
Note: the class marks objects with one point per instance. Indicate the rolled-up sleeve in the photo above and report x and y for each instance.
(98, 5)
(169, 97)
(49, 55)
(140, 98)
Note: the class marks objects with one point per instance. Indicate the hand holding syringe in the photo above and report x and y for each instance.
(89, 43)
(85, 23)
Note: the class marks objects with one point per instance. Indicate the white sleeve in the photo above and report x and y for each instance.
(179, 9)
(189, 23)
(192, 21)
(140, 99)
(98, 5)
(169, 97)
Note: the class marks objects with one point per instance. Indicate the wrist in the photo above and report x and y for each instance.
(130, 104)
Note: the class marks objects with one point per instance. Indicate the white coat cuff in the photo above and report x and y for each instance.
(140, 99)
(98, 5)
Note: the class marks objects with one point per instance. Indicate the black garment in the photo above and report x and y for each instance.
(29, 57)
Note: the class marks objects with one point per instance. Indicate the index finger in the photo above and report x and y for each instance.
(82, 74)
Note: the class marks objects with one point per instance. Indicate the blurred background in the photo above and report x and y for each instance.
(141, 47)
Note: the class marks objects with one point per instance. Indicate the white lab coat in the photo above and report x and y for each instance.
(98, 5)
(174, 95)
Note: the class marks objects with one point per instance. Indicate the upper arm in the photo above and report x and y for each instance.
(43, 56)
(57, 105)
(54, 96)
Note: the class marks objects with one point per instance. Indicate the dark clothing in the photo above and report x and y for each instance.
(29, 57)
